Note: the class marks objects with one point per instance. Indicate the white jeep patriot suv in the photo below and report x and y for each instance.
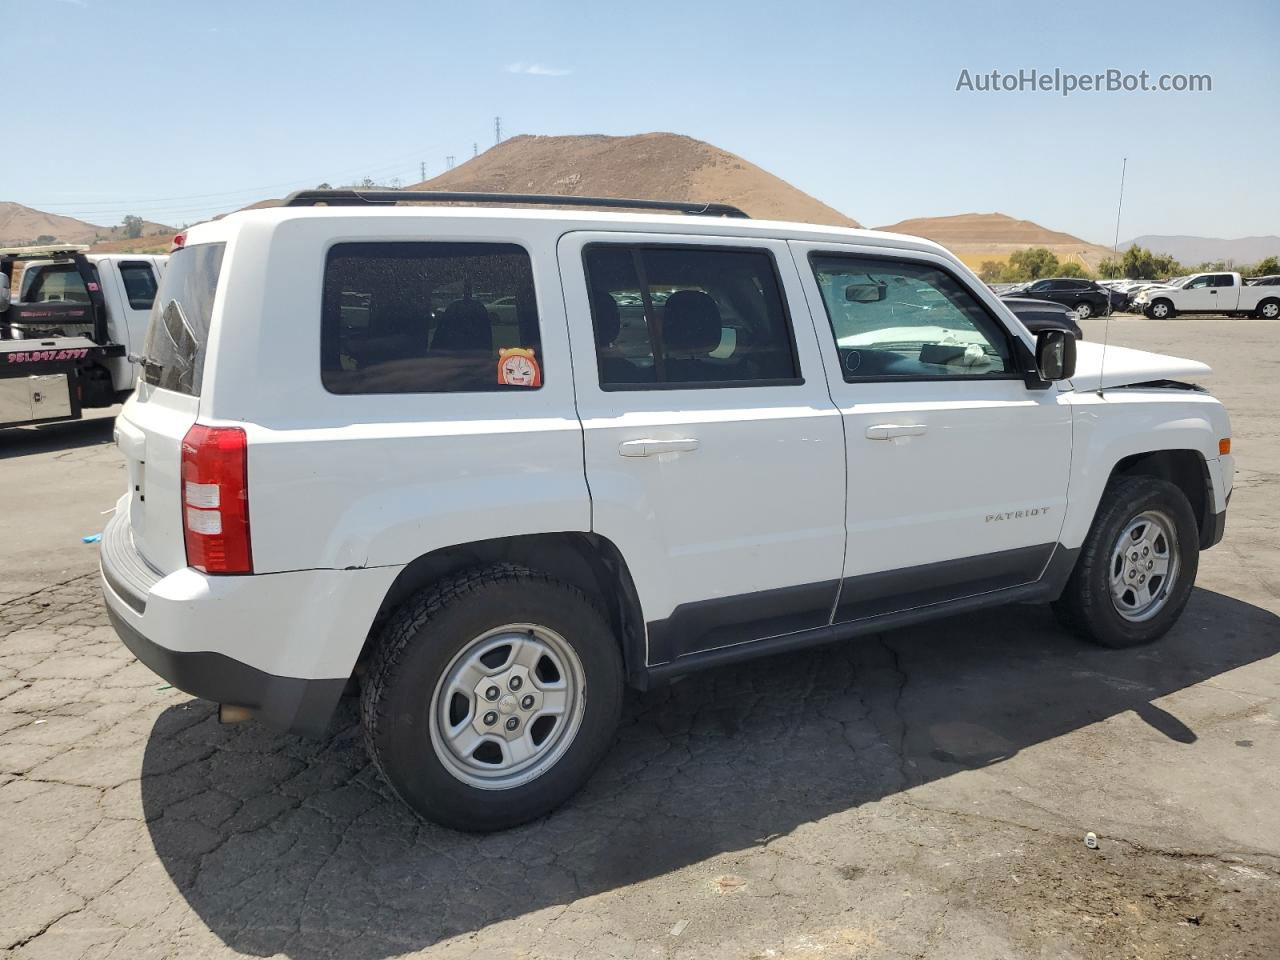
(491, 464)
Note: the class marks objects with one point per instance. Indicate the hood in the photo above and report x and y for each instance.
(1124, 367)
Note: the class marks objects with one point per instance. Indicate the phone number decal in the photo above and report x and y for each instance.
(43, 356)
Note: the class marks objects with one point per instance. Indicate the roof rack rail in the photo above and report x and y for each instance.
(334, 198)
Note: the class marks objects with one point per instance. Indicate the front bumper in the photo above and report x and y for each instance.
(281, 644)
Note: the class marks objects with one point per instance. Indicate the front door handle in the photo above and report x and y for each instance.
(892, 431)
(651, 448)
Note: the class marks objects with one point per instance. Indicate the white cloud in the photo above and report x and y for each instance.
(537, 69)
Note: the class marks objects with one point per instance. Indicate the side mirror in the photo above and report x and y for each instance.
(1055, 355)
(864, 292)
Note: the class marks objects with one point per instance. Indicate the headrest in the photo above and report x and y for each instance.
(691, 323)
(604, 313)
(464, 325)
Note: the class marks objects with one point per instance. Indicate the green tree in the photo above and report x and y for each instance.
(1110, 269)
(45, 238)
(1072, 269)
(991, 271)
(1139, 263)
(132, 226)
(1265, 266)
(1033, 263)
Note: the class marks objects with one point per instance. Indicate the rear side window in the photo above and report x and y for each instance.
(688, 317)
(179, 328)
(429, 318)
(139, 283)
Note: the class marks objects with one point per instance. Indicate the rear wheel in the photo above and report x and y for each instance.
(476, 706)
(1269, 309)
(1083, 309)
(1137, 566)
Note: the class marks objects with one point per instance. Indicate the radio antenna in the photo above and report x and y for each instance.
(1115, 253)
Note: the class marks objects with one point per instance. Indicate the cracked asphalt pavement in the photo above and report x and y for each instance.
(922, 793)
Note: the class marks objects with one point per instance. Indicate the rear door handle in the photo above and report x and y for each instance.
(891, 431)
(651, 448)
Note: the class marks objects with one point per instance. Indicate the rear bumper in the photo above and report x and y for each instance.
(286, 703)
(281, 644)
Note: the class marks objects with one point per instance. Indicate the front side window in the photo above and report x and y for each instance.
(419, 317)
(139, 283)
(897, 319)
(690, 317)
(1198, 282)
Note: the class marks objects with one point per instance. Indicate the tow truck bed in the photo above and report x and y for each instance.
(41, 379)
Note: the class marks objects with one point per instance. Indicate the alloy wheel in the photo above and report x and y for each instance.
(507, 706)
(1144, 566)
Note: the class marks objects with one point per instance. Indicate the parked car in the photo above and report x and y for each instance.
(1221, 292)
(67, 328)
(1037, 315)
(1271, 280)
(338, 473)
(1085, 297)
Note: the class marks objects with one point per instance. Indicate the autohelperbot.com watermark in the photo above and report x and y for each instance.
(1065, 83)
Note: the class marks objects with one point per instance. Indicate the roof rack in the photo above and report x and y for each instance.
(335, 198)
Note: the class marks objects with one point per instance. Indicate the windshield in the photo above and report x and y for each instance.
(179, 328)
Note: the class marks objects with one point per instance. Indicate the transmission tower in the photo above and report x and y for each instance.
(497, 130)
(448, 162)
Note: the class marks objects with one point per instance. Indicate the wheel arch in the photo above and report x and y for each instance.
(1185, 469)
(588, 561)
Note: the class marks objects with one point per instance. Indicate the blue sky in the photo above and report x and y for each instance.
(178, 110)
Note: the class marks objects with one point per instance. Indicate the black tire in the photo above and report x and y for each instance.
(1269, 309)
(416, 647)
(1157, 305)
(1086, 606)
(1083, 309)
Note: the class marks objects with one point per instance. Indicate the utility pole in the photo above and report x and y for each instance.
(497, 130)
(448, 162)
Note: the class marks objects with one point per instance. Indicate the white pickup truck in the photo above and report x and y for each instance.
(68, 323)
(1219, 292)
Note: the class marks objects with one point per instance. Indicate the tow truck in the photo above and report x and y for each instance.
(67, 326)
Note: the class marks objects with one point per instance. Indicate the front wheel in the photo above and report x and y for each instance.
(1160, 310)
(1136, 569)
(491, 697)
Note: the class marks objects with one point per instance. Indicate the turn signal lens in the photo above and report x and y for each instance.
(1224, 446)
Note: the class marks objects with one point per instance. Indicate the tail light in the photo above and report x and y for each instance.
(179, 241)
(215, 499)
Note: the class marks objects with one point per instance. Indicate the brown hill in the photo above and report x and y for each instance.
(993, 236)
(648, 166)
(20, 224)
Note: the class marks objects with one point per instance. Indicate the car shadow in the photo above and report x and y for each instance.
(293, 846)
(50, 437)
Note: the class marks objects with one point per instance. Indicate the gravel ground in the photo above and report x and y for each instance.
(923, 793)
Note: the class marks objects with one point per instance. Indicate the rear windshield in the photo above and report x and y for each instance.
(179, 327)
(53, 283)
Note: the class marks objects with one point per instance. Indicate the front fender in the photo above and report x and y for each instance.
(1123, 422)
